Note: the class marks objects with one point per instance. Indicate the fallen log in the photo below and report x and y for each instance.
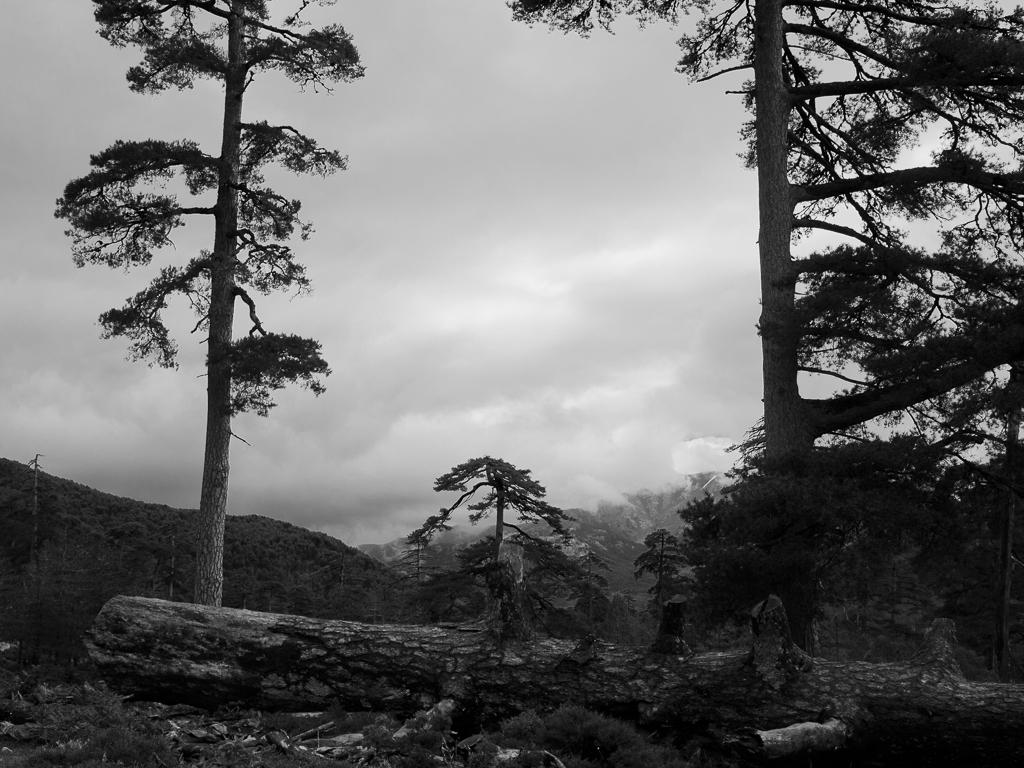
(922, 710)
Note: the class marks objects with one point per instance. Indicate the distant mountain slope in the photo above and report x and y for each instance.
(616, 532)
(268, 564)
(646, 511)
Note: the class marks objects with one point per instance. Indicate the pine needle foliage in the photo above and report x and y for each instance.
(894, 132)
(505, 488)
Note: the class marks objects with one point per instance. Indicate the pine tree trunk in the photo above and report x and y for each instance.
(772, 700)
(499, 514)
(506, 594)
(659, 585)
(35, 509)
(213, 502)
(786, 432)
(788, 435)
(1003, 660)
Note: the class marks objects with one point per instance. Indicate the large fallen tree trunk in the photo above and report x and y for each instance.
(773, 700)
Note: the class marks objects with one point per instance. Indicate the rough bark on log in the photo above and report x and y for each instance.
(669, 639)
(803, 737)
(506, 594)
(923, 709)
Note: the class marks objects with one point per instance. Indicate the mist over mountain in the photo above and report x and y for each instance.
(615, 532)
(645, 511)
(68, 548)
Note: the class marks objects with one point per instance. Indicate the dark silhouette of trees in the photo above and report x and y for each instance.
(824, 536)
(912, 305)
(119, 213)
(663, 559)
(415, 562)
(509, 489)
(594, 597)
(501, 562)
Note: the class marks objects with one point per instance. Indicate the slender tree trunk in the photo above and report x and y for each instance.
(786, 433)
(504, 577)
(1003, 662)
(170, 586)
(35, 508)
(213, 501)
(499, 516)
(590, 591)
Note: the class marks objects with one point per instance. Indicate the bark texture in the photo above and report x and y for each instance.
(213, 498)
(506, 609)
(785, 432)
(1003, 657)
(922, 710)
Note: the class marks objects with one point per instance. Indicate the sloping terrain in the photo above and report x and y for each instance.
(81, 546)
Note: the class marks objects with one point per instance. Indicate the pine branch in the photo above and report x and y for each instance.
(257, 326)
(1009, 185)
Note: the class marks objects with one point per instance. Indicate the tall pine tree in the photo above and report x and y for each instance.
(843, 93)
(119, 213)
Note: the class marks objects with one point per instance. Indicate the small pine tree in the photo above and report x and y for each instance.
(508, 489)
(664, 560)
(119, 214)
(415, 560)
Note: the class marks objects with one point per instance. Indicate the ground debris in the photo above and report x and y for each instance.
(81, 724)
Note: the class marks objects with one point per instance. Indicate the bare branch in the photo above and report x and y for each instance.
(241, 438)
(727, 70)
(825, 372)
(257, 325)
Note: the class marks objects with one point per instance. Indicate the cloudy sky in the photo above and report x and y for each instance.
(543, 250)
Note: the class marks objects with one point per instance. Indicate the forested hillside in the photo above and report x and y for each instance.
(67, 548)
(888, 565)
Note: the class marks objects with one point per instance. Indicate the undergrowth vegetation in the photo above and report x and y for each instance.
(52, 723)
(584, 739)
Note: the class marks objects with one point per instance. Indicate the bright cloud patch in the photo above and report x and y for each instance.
(703, 454)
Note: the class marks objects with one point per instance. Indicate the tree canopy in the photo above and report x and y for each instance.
(663, 559)
(508, 489)
(915, 292)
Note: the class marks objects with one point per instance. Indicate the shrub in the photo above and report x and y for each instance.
(104, 746)
(89, 727)
(585, 739)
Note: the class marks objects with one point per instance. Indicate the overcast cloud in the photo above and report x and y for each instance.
(543, 249)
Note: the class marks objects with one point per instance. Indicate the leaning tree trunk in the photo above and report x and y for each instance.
(773, 700)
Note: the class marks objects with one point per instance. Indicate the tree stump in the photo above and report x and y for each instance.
(506, 594)
(669, 639)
